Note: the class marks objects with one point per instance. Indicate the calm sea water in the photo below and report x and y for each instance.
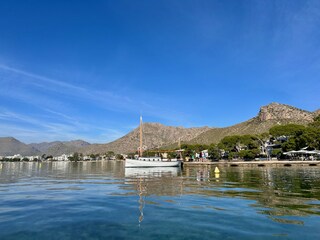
(103, 200)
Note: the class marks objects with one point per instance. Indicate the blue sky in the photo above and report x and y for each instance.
(88, 69)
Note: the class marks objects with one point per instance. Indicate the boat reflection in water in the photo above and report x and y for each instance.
(151, 172)
(149, 181)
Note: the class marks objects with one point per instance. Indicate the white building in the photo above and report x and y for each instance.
(63, 157)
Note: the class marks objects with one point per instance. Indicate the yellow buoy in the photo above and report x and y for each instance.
(217, 175)
(216, 170)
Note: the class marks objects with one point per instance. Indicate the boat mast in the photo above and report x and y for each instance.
(179, 143)
(140, 148)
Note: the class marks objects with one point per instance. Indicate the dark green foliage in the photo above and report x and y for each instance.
(119, 157)
(311, 137)
(15, 160)
(286, 130)
(298, 136)
(249, 154)
(214, 152)
(247, 144)
(110, 154)
(75, 157)
(94, 156)
(276, 152)
(229, 143)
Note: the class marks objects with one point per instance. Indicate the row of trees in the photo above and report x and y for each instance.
(110, 155)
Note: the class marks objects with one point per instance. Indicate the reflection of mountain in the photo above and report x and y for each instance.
(12, 171)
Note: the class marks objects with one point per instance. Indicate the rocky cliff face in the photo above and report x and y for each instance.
(277, 111)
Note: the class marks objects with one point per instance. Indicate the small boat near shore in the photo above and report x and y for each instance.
(149, 161)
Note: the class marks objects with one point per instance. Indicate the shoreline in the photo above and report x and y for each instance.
(271, 163)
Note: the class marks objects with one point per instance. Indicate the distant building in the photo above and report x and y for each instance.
(14, 156)
(63, 157)
(202, 154)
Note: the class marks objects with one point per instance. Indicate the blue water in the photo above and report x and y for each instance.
(102, 200)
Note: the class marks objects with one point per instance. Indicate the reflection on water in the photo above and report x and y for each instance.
(151, 172)
(279, 191)
(11, 171)
(150, 181)
(105, 200)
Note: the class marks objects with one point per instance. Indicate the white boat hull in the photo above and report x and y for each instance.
(146, 163)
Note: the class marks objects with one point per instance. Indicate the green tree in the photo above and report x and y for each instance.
(289, 145)
(276, 152)
(119, 157)
(316, 122)
(311, 137)
(110, 155)
(214, 152)
(74, 157)
(287, 130)
(249, 154)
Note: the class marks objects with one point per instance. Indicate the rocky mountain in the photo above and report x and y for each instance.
(155, 135)
(10, 146)
(44, 146)
(268, 116)
(58, 147)
(277, 111)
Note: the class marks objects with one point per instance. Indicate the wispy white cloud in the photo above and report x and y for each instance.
(46, 80)
(105, 99)
(137, 102)
(31, 129)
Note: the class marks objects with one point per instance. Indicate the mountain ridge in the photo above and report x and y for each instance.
(10, 146)
(157, 135)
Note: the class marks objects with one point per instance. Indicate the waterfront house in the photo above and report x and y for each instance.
(63, 157)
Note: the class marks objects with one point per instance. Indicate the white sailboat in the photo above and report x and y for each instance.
(149, 161)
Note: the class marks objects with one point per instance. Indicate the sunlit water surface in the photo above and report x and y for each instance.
(103, 200)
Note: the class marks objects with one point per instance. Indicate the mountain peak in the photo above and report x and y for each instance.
(317, 112)
(278, 111)
(10, 146)
(12, 139)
